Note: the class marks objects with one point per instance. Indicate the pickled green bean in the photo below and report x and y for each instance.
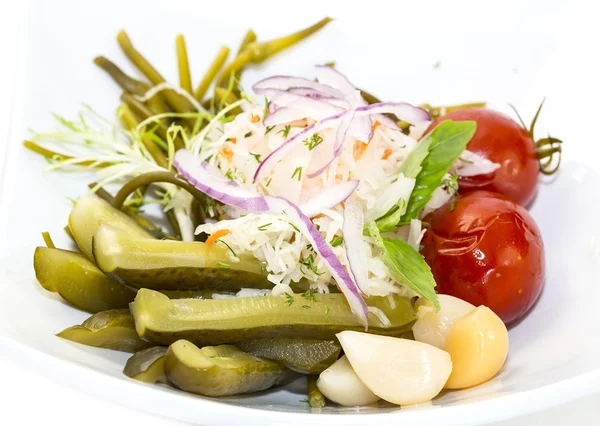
(250, 37)
(185, 79)
(315, 397)
(150, 178)
(259, 52)
(48, 240)
(131, 122)
(177, 102)
(131, 85)
(124, 81)
(53, 155)
(211, 73)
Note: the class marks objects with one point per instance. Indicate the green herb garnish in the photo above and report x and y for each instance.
(432, 159)
(269, 128)
(315, 141)
(264, 227)
(285, 131)
(224, 265)
(406, 265)
(297, 172)
(289, 299)
(310, 295)
(256, 156)
(336, 241)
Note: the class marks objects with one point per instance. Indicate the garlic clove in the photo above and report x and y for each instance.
(401, 371)
(433, 327)
(340, 384)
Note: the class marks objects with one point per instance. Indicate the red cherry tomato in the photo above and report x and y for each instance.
(486, 249)
(503, 141)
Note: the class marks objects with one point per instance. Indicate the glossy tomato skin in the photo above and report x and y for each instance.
(487, 250)
(501, 140)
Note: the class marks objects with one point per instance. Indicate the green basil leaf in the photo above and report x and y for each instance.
(390, 221)
(432, 159)
(406, 265)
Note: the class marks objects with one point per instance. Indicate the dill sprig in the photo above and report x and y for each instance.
(314, 141)
(285, 131)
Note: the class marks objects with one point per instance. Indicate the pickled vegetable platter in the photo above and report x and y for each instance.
(310, 231)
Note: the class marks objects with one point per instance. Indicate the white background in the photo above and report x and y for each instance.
(27, 398)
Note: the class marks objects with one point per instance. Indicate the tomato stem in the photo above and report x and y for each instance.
(545, 148)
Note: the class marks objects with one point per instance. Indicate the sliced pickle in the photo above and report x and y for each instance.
(147, 365)
(220, 370)
(174, 265)
(90, 212)
(112, 329)
(307, 356)
(213, 322)
(79, 281)
(195, 294)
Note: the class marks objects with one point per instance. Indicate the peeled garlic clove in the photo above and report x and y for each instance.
(478, 345)
(340, 384)
(400, 371)
(433, 327)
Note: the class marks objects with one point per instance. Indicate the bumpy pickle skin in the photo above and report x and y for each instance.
(77, 280)
(214, 322)
(112, 329)
(174, 265)
(306, 356)
(220, 370)
(147, 365)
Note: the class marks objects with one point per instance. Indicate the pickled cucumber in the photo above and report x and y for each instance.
(147, 365)
(89, 213)
(77, 280)
(174, 265)
(112, 329)
(213, 322)
(220, 370)
(307, 356)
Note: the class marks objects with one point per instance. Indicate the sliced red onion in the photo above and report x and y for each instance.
(340, 138)
(285, 82)
(274, 157)
(344, 281)
(332, 77)
(311, 93)
(352, 230)
(306, 108)
(211, 182)
(362, 128)
(404, 111)
(328, 198)
(387, 122)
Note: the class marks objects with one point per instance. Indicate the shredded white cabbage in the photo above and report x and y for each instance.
(236, 148)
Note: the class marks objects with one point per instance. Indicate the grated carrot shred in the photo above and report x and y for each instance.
(375, 125)
(254, 119)
(233, 140)
(227, 153)
(386, 154)
(216, 235)
(359, 150)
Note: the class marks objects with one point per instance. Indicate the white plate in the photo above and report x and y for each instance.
(391, 52)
